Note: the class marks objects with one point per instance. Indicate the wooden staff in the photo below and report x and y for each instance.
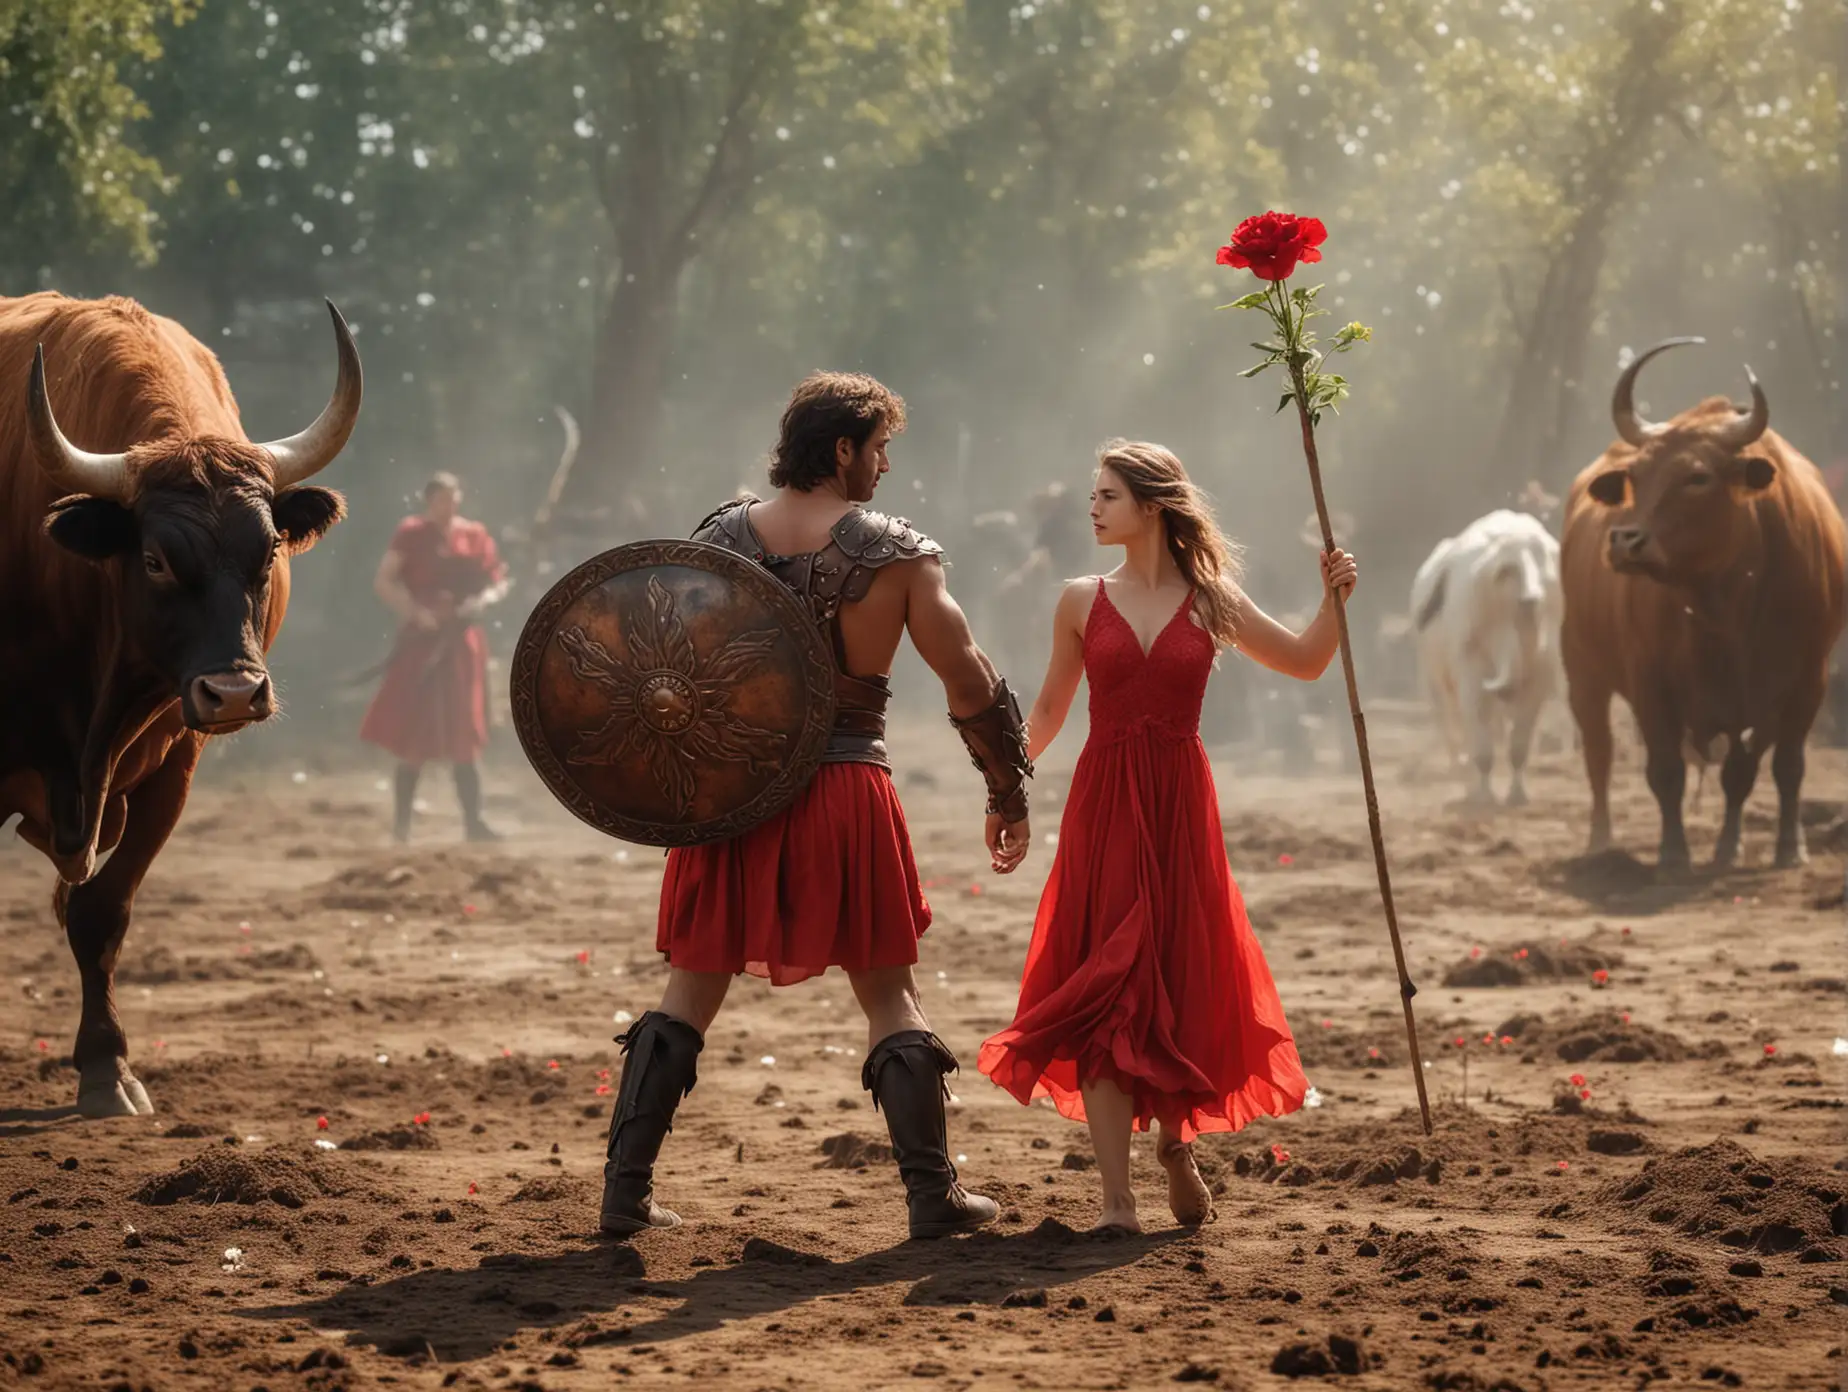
(1406, 989)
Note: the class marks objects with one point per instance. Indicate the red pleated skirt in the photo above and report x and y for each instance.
(1143, 968)
(433, 703)
(830, 881)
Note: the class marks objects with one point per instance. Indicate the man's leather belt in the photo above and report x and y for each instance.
(858, 736)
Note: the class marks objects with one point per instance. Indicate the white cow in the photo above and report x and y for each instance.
(1487, 606)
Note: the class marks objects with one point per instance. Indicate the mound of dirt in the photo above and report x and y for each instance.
(442, 883)
(395, 1138)
(852, 1151)
(1605, 1037)
(228, 1176)
(158, 966)
(1410, 1255)
(1344, 1354)
(1724, 1191)
(553, 1189)
(1527, 963)
(1253, 841)
(1339, 1047)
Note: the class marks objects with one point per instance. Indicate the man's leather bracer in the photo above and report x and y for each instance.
(996, 738)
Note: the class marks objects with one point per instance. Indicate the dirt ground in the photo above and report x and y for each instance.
(1635, 1175)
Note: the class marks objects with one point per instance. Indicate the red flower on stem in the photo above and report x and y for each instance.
(1271, 244)
(1577, 1080)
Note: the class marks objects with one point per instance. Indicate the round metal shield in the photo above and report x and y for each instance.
(672, 693)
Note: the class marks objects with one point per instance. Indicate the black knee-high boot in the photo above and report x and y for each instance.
(904, 1073)
(468, 793)
(404, 795)
(660, 1065)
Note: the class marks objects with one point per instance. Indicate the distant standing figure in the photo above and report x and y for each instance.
(1487, 606)
(440, 572)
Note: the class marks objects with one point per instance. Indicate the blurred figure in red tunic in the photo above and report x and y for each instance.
(439, 573)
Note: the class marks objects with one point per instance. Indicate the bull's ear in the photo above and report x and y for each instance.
(94, 528)
(303, 515)
(1608, 487)
(1753, 473)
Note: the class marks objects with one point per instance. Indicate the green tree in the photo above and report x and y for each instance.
(71, 176)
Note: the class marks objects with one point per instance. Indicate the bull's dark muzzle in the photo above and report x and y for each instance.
(215, 699)
(1627, 546)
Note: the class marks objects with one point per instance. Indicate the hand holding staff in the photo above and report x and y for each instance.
(1270, 246)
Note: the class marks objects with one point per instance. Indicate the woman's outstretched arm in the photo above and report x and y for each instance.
(1304, 655)
(1054, 701)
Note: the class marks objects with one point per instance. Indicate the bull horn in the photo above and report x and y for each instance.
(100, 475)
(302, 456)
(1749, 425)
(1631, 427)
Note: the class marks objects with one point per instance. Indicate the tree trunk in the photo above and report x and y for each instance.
(1545, 394)
(619, 471)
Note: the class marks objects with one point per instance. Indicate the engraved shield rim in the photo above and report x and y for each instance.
(817, 667)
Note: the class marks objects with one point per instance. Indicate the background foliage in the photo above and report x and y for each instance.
(660, 213)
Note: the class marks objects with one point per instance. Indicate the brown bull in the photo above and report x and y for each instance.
(144, 572)
(1702, 564)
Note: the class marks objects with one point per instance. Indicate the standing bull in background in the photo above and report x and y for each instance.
(1487, 607)
(1703, 578)
(141, 587)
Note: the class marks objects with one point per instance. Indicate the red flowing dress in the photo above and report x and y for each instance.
(433, 703)
(1143, 968)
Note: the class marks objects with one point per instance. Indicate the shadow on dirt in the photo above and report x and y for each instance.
(465, 1314)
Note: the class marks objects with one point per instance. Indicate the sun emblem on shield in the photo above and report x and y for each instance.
(668, 702)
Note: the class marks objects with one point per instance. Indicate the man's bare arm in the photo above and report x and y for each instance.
(471, 607)
(940, 631)
(388, 584)
(982, 707)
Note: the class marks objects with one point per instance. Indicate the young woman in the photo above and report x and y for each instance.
(1146, 997)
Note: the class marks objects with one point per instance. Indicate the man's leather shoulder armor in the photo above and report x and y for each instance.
(725, 525)
(874, 539)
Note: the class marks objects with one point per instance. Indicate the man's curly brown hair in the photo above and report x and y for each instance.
(825, 407)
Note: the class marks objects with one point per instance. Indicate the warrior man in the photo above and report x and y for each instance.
(830, 881)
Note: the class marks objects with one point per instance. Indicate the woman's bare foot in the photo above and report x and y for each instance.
(1117, 1220)
(1119, 1215)
(1189, 1199)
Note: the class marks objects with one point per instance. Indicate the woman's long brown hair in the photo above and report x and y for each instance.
(1207, 557)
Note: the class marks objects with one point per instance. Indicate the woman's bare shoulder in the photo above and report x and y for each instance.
(1076, 599)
